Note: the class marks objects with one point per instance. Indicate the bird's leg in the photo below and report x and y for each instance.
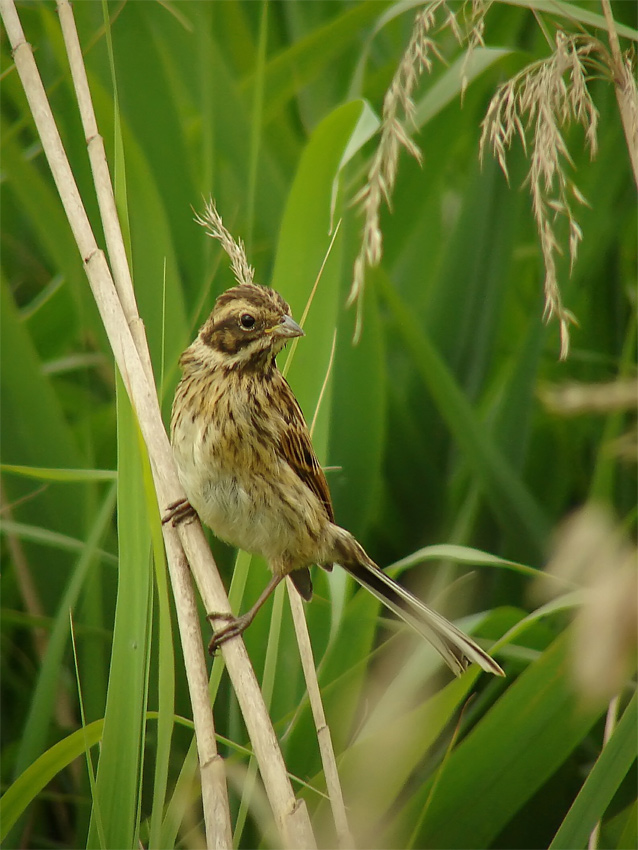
(236, 625)
(179, 511)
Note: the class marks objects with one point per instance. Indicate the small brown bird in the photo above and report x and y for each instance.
(248, 468)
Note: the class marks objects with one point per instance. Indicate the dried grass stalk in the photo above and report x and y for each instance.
(326, 750)
(212, 772)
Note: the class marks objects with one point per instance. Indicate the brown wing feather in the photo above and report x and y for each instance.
(296, 447)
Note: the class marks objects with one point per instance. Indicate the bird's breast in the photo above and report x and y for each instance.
(235, 476)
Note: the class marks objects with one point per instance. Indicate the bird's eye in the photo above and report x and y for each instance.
(247, 321)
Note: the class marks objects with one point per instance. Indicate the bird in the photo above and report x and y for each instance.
(249, 470)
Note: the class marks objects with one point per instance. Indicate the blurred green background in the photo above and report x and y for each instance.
(431, 427)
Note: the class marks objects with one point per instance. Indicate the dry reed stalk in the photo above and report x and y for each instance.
(324, 739)
(188, 540)
(212, 773)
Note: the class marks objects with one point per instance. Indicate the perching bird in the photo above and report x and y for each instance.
(247, 465)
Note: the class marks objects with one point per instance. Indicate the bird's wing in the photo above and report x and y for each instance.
(296, 448)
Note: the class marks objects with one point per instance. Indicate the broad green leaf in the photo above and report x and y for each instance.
(302, 246)
(34, 427)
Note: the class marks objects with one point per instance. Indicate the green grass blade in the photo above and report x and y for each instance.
(20, 794)
(48, 474)
(166, 670)
(119, 767)
(609, 770)
(51, 539)
(463, 555)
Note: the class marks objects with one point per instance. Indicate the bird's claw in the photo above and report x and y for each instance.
(178, 512)
(235, 627)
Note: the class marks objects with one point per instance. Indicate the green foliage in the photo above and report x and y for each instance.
(431, 429)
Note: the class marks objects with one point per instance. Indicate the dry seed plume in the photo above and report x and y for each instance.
(214, 226)
(398, 109)
(535, 106)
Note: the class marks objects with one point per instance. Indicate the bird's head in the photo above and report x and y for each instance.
(248, 326)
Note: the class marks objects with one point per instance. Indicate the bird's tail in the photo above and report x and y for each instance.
(456, 648)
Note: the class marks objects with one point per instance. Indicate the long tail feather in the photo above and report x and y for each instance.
(456, 648)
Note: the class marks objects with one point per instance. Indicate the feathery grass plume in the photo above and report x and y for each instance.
(474, 37)
(213, 224)
(538, 102)
(383, 170)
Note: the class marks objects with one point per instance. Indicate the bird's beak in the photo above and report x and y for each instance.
(287, 327)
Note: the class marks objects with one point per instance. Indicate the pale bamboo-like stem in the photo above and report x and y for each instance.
(103, 185)
(290, 815)
(626, 93)
(326, 750)
(212, 771)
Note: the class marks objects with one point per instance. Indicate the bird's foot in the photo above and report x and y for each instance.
(179, 511)
(235, 627)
